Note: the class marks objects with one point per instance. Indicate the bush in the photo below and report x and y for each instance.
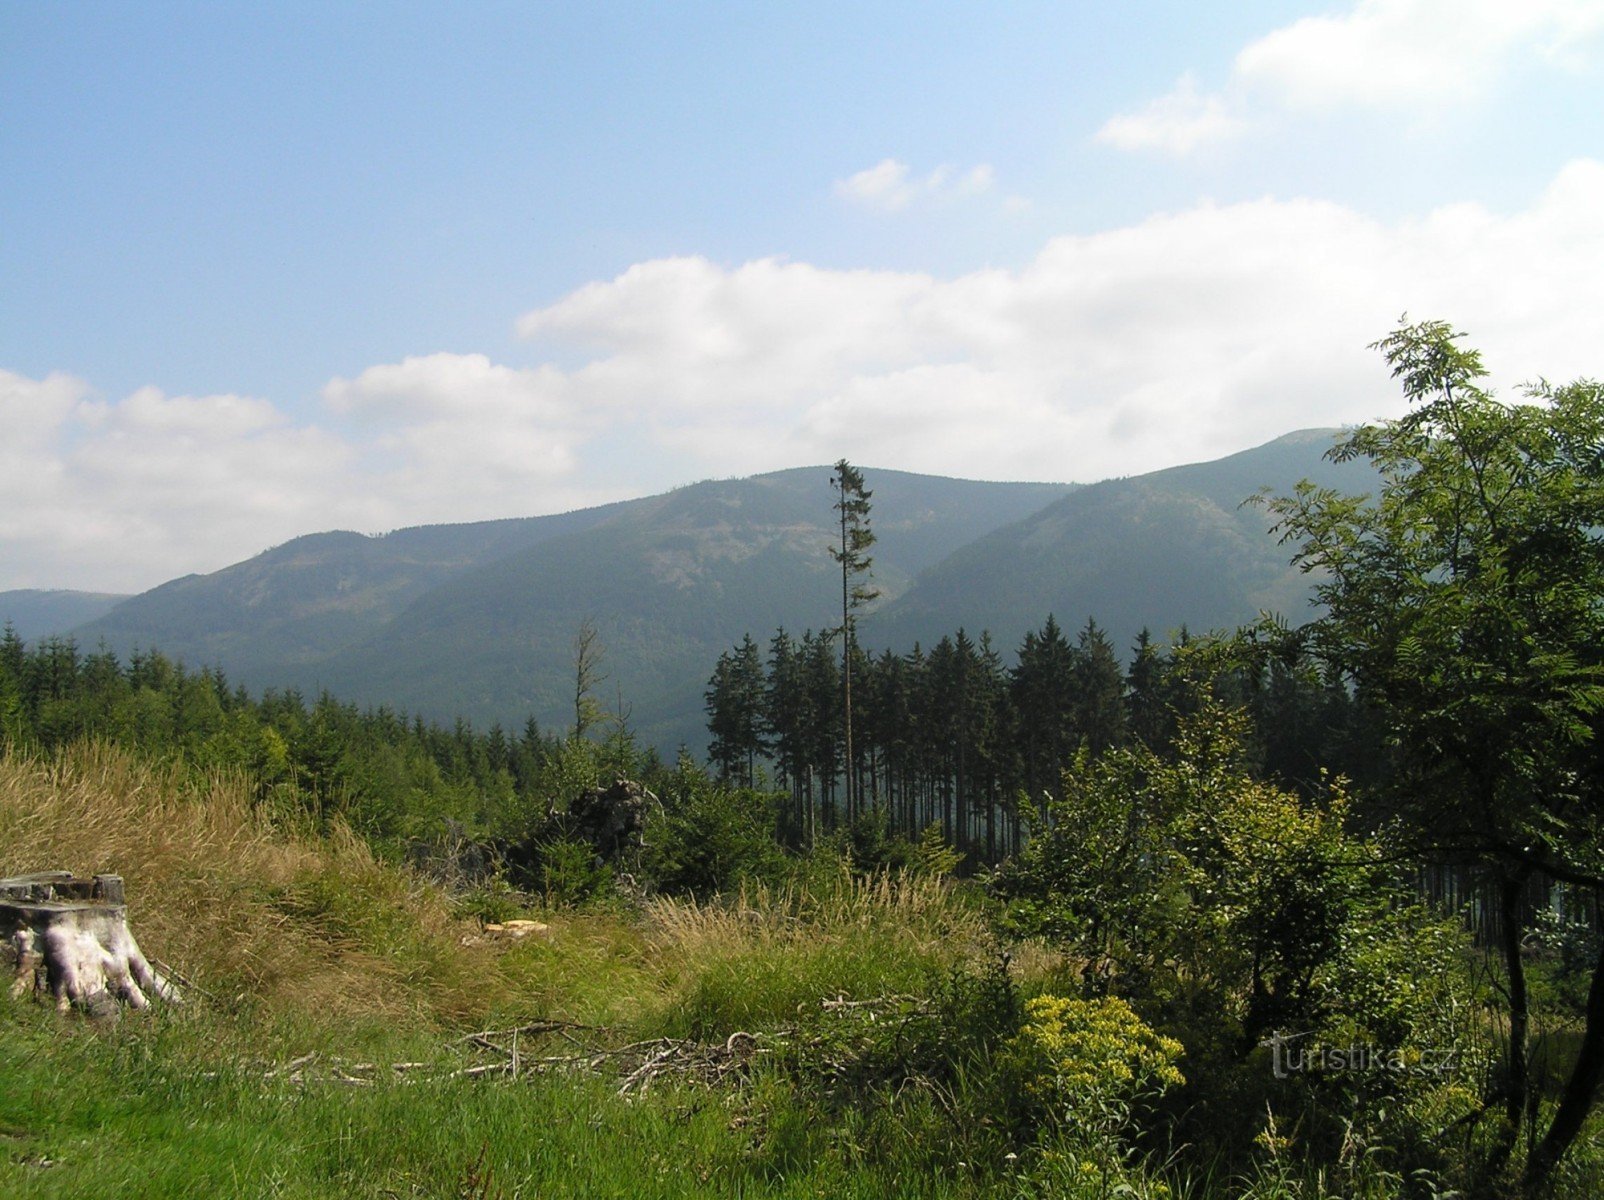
(1086, 1063)
(710, 838)
(568, 871)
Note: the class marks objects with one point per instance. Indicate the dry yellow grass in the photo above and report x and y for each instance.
(264, 918)
(767, 954)
(921, 909)
(251, 914)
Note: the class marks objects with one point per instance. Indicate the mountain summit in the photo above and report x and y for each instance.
(479, 620)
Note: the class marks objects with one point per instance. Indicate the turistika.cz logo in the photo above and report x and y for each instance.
(1316, 1058)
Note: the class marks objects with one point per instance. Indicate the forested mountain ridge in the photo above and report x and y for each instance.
(301, 601)
(36, 613)
(479, 620)
(1174, 547)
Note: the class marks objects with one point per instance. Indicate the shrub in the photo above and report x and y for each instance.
(568, 871)
(1087, 1062)
(711, 839)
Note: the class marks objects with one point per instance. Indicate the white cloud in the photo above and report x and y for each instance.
(1414, 58)
(125, 494)
(1177, 123)
(449, 385)
(890, 186)
(1410, 54)
(883, 186)
(1188, 335)
(31, 410)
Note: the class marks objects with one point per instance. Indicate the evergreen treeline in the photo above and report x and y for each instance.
(390, 777)
(954, 737)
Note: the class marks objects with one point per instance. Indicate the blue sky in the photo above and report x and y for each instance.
(277, 268)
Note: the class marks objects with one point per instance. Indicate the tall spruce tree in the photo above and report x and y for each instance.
(785, 724)
(1042, 689)
(822, 682)
(734, 704)
(1099, 691)
(852, 506)
(1147, 705)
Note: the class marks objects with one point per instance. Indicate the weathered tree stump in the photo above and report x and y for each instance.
(68, 939)
(613, 819)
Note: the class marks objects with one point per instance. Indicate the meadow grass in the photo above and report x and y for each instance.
(148, 1109)
(294, 942)
(767, 955)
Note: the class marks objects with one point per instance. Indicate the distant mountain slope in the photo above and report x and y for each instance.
(1174, 547)
(38, 614)
(302, 601)
(479, 620)
(669, 582)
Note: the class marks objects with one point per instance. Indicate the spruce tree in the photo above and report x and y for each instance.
(1042, 689)
(1147, 702)
(1099, 691)
(852, 505)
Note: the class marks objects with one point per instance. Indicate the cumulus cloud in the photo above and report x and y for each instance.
(449, 385)
(1189, 334)
(461, 433)
(1177, 122)
(1411, 57)
(890, 186)
(1403, 54)
(125, 494)
(1183, 337)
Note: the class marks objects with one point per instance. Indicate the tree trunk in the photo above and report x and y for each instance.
(1519, 1006)
(1577, 1100)
(69, 939)
(1516, 1065)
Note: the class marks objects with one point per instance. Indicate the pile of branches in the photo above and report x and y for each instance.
(635, 1065)
(543, 1047)
(567, 1047)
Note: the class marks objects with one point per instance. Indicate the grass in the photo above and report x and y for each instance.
(145, 1110)
(758, 959)
(295, 943)
(254, 915)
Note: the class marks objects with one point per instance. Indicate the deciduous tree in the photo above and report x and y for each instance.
(1466, 600)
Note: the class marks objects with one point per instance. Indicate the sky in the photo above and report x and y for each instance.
(268, 269)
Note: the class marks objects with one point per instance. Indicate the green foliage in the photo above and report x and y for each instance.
(567, 871)
(711, 839)
(492, 902)
(856, 539)
(931, 855)
(952, 736)
(1463, 600)
(1237, 915)
(1170, 874)
(1086, 1063)
(943, 1033)
(1085, 1168)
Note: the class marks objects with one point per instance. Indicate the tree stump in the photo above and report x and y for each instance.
(69, 939)
(613, 819)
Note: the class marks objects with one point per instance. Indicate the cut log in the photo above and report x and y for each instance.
(68, 939)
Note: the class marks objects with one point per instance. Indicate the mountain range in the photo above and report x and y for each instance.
(479, 620)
